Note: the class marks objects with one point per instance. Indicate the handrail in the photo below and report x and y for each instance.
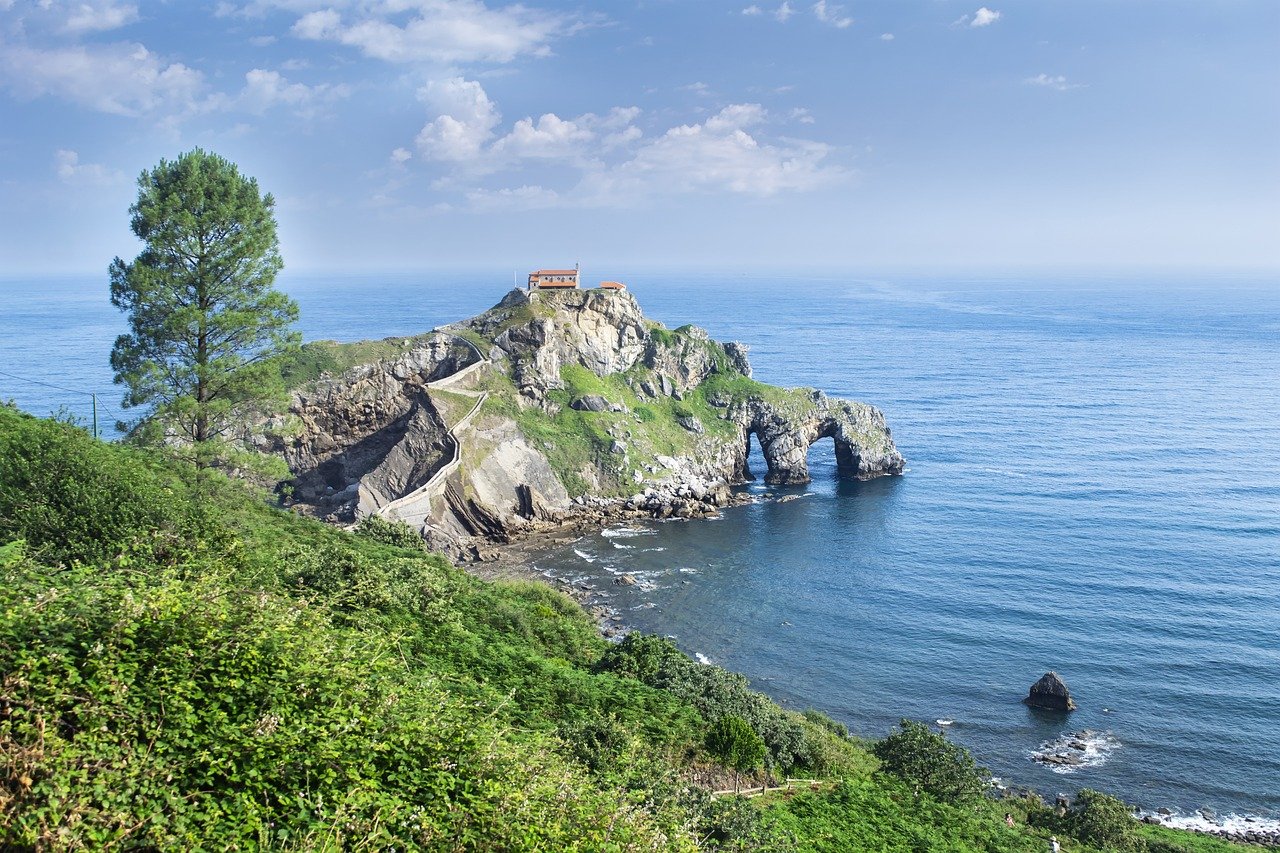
(456, 459)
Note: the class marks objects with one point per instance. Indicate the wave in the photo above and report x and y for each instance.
(1204, 821)
(703, 659)
(1074, 751)
(585, 556)
(627, 532)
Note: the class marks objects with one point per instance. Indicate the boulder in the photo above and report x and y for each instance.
(590, 403)
(1051, 694)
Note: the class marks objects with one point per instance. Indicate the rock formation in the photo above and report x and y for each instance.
(552, 405)
(1051, 694)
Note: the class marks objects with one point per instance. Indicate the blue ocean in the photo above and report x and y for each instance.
(1093, 487)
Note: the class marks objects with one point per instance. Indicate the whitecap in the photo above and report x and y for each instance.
(701, 658)
(689, 571)
(1075, 751)
(626, 532)
(622, 547)
(584, 555)
(945, 723)
(1233, 823)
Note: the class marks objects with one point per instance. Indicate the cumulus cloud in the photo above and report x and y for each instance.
(984, 17)
(121, 79)
(465, 123)
(437, 31)
(1052, 81)
(615, 162)
(400, 156)
(784, 12)
(95, 17)
(71, 171)
(831, 13)
(886, 37)
(265, 90)
(722, 154)
(753, 10)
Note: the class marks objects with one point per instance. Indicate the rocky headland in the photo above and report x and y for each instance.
(551, 410)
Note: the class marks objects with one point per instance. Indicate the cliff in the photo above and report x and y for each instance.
(548, 406)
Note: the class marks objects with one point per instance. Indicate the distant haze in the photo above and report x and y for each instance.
(432, 133)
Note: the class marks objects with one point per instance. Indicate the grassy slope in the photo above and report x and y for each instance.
(184, 665)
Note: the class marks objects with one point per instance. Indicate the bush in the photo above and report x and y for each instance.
(394, 533)
(733, 742)
(1105, 822)
(930, 763)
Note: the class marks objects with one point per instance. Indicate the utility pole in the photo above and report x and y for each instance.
(95, 414)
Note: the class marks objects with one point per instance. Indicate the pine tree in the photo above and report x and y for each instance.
(206, 325)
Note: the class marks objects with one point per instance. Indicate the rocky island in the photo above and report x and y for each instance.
(551, 407)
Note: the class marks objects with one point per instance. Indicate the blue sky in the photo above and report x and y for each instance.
(403, 134)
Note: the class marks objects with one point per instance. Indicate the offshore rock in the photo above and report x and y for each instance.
(1051, 694)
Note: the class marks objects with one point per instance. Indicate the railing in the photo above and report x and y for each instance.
(787, 784)
(424, 492)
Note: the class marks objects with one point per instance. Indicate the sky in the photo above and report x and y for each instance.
(421, 134)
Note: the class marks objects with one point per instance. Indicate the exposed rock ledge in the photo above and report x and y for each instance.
(555, 408)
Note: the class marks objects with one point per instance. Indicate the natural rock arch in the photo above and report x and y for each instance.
(786, 431)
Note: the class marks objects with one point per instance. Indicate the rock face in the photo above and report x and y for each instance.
(1051, 694)
(553, 405)
(785, 431)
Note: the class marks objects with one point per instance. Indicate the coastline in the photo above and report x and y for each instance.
(517, 561)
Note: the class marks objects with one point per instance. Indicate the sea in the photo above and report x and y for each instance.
(1093, 488)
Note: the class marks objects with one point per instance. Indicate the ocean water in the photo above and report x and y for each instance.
(1093, 487)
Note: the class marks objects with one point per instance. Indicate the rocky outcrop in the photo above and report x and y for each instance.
(786, 428)
(553, 407)
(1051, 694)
(372, 434)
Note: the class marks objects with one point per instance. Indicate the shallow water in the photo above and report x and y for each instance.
(1093, 487)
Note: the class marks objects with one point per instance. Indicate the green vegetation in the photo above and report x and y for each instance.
(205, 324)
(319, 358)
(184, 669)
(930, 763)
(733, 743)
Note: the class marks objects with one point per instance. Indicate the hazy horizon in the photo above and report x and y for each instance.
(425, 134)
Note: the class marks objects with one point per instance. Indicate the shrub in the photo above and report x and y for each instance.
(394, 533)
(930, 763)
(1105, 822)
(733, 742)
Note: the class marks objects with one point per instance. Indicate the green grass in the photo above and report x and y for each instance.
(184, 665)
(318, 358)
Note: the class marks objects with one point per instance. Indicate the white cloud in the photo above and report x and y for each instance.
(465, 123)
(832, 14)
(698, 88)
(1052, 81)
(721, 155)
(438, 31)
(262, 41)
(784, 11)
(753, 10)
(984, 17)
(94, 17)
(615, 162)
(265, 89)
(71, 171)
(886, 37)
(518, 198)
(550, 138)
(121, 78)
(401, 156)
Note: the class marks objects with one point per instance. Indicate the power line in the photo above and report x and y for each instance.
(92, 394)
